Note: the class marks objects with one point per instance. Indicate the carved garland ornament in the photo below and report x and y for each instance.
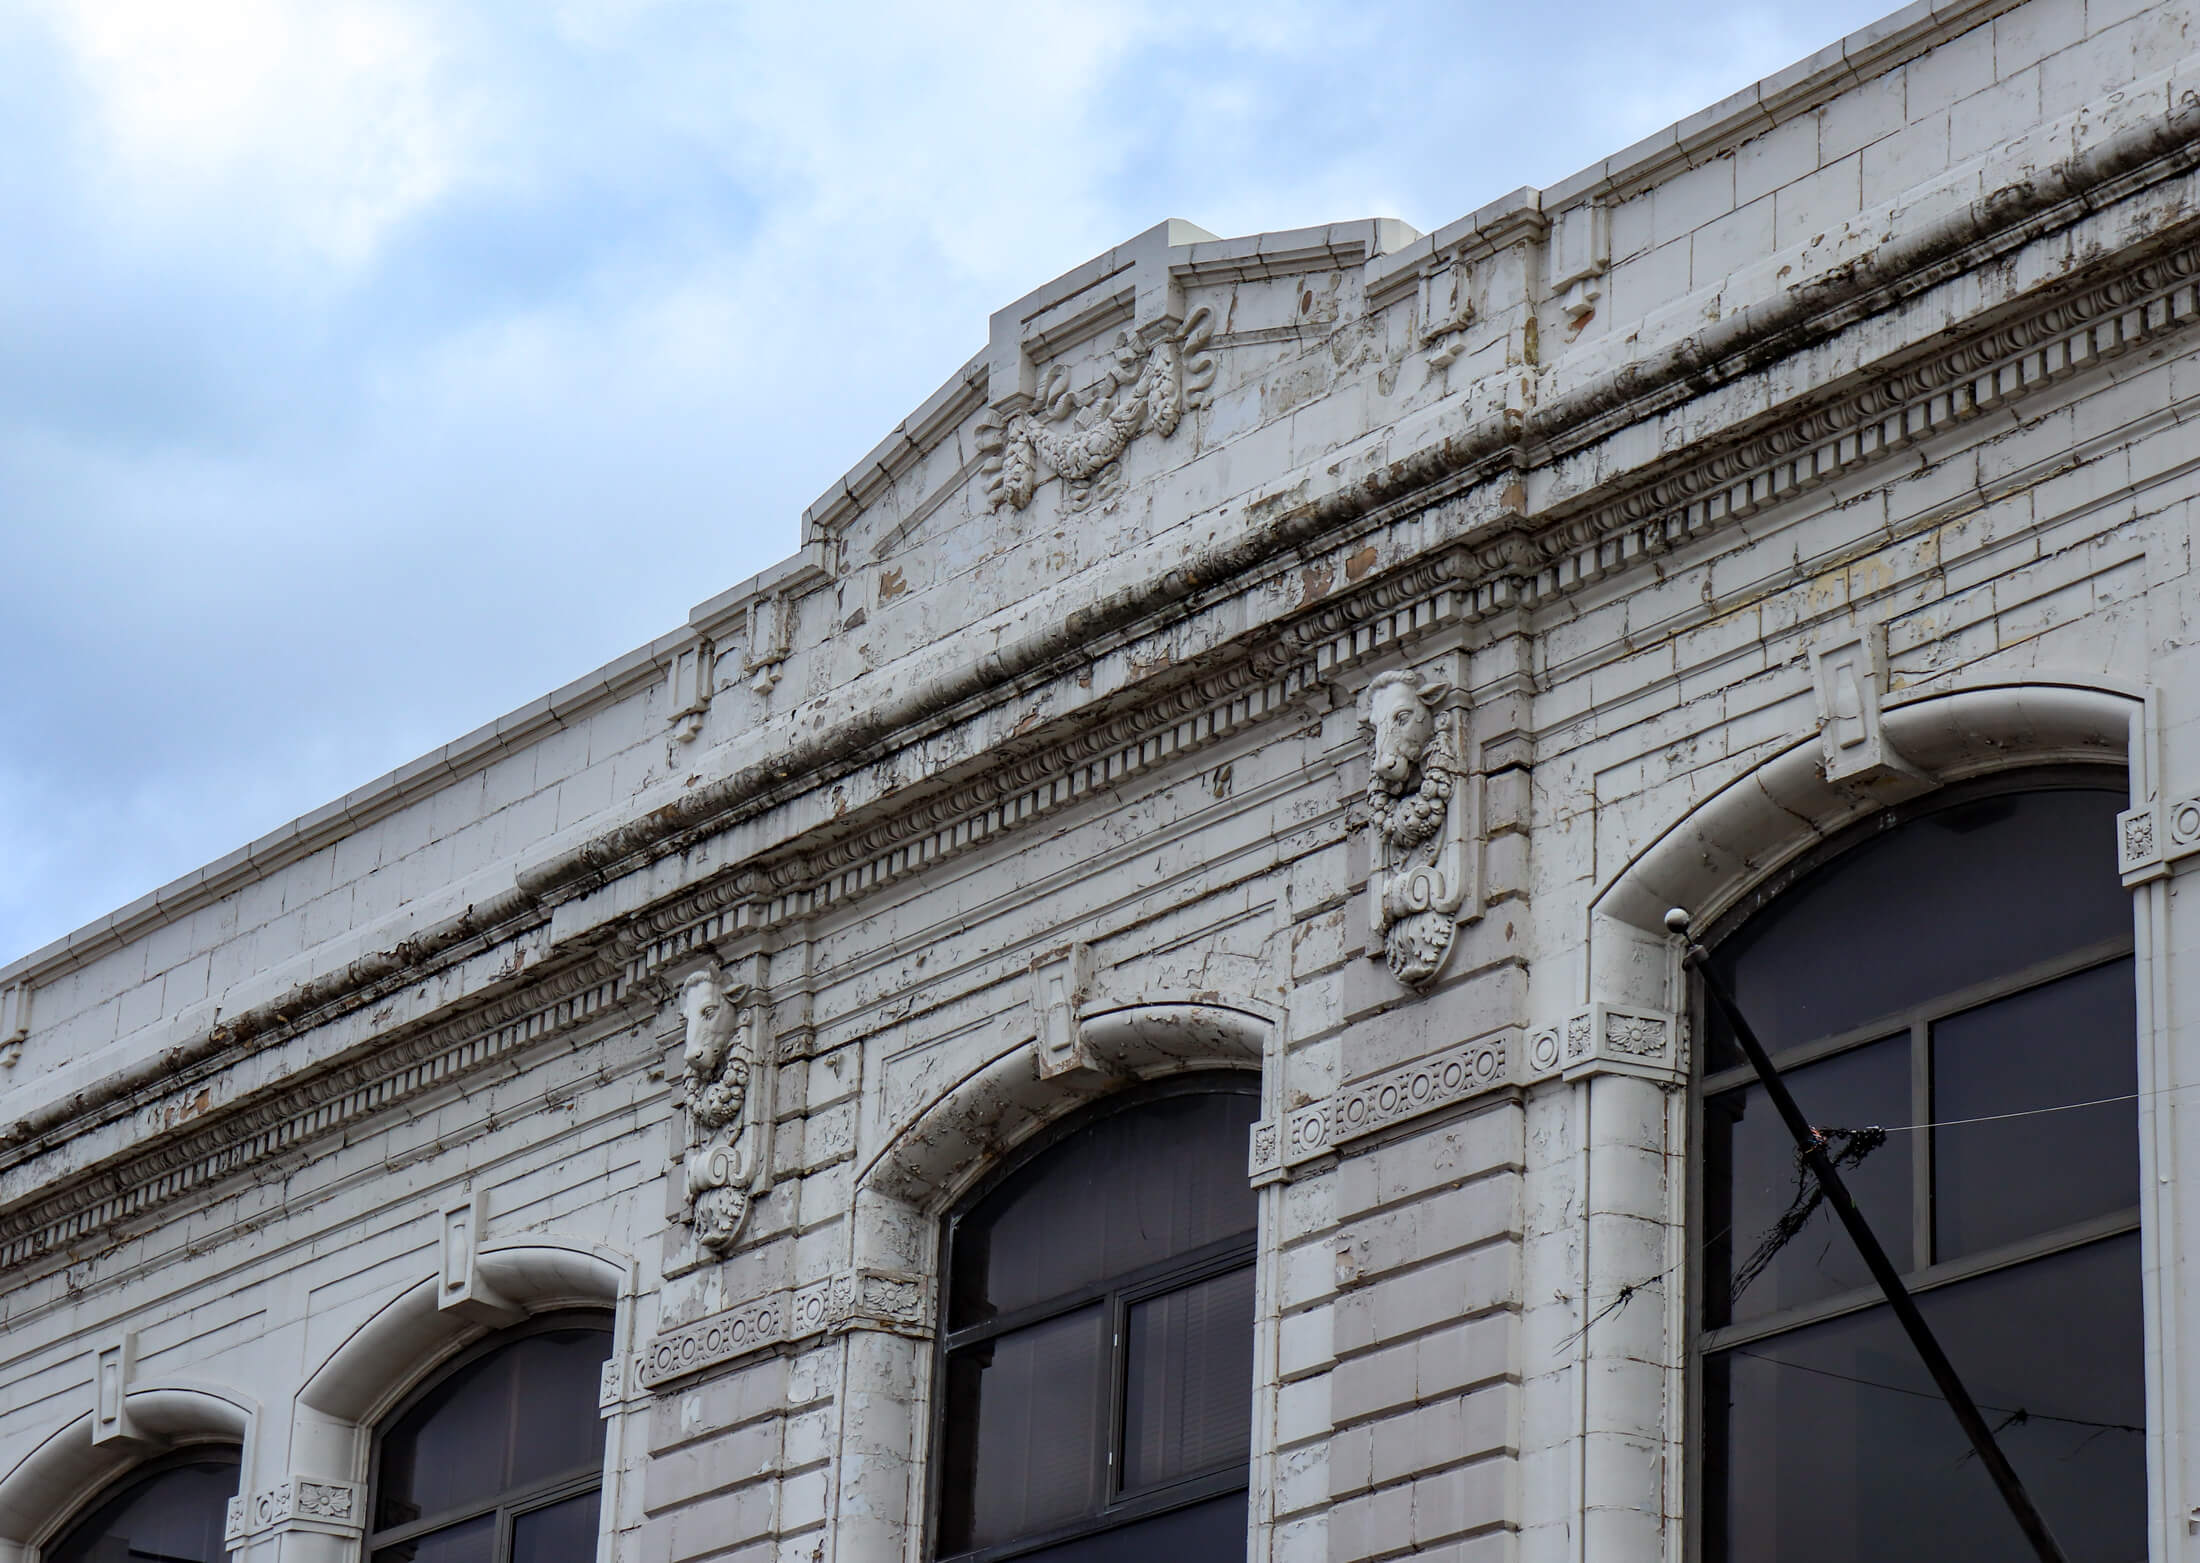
(721, 1059)
(1079, 436)
(1421, 874)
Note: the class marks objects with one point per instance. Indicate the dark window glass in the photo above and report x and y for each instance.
(1830, 1443)
(1751, 1178)
(1957, 897)
(1134, 1188)
(510, 1419)
(1208, 1532)
(2067, 1041)
(469, 1541)
(1097, 1372)
(564, 1532)
(171, 1515)
(1987, 940)
(1027, 1428)
(500, 1459)
(1190, 1380)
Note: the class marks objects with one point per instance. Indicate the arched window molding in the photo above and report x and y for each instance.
(942, 1151)
(952, 1140)
(52, 1484)
(410, 1337)
(1732, 843)
(1742, 835)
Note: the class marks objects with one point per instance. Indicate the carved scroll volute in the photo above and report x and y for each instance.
(726, 1061)
(1423, 868)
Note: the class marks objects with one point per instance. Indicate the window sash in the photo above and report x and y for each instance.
(1117, 1506)
(506, 1506)
(1921, 1274)
(1921, 1269)
(1924, 1279)
(506, 1502)
(1143, 1506)
(1117, 1294)
(1164, 1276)
(1939, 1007)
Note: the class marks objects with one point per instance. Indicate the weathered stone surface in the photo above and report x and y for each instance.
(1829, 445)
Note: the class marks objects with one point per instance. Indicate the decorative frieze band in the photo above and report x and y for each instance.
(2151, 838)
(853, 1300)
(304, 1503)
(1604, 1038)
(1486, 1064)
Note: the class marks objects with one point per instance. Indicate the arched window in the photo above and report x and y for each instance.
(1096, 1363)
(500, 1458)
(1959, 973)
(171, 1511)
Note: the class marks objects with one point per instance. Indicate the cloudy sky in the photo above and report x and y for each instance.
(371, 367)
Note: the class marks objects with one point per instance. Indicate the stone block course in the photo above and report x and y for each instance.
(1163, 669)
(1403, 1304)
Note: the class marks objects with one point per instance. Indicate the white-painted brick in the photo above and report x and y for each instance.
(1424, 1386)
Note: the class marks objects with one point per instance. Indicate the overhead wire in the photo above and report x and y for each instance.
(2029, 1112)
(2015, 1414)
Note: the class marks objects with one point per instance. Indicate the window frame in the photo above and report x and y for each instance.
(1920, 1273)
(508, 1505)
(173, 1458)
(1117, 1293)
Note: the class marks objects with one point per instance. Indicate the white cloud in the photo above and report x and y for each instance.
(376, 365)
(321, 125)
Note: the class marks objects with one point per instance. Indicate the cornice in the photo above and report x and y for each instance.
(1006, 796)
(392, 1070)
(363, 806)
(1495, 558)
(1518, 563)
(1981, 231)
(2038, 343)
(306, 1007)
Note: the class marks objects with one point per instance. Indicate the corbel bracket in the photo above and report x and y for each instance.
(1579, 250)
(114, 1364)
(461, 1290)
(1061, 986)
(1849, 677)
(15, 1022)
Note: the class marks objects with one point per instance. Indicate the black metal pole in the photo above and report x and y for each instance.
(1811, 1146)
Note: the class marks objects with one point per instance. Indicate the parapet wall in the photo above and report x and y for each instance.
(1856, 402)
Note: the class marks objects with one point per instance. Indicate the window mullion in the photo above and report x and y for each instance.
(1115, 1363)
(1921, 1153)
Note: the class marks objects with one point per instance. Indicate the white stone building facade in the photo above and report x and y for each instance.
(1309, 664)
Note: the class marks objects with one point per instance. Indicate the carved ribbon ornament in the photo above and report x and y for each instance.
(1079, 436)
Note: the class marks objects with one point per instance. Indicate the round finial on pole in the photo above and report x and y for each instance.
(1676, 921)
